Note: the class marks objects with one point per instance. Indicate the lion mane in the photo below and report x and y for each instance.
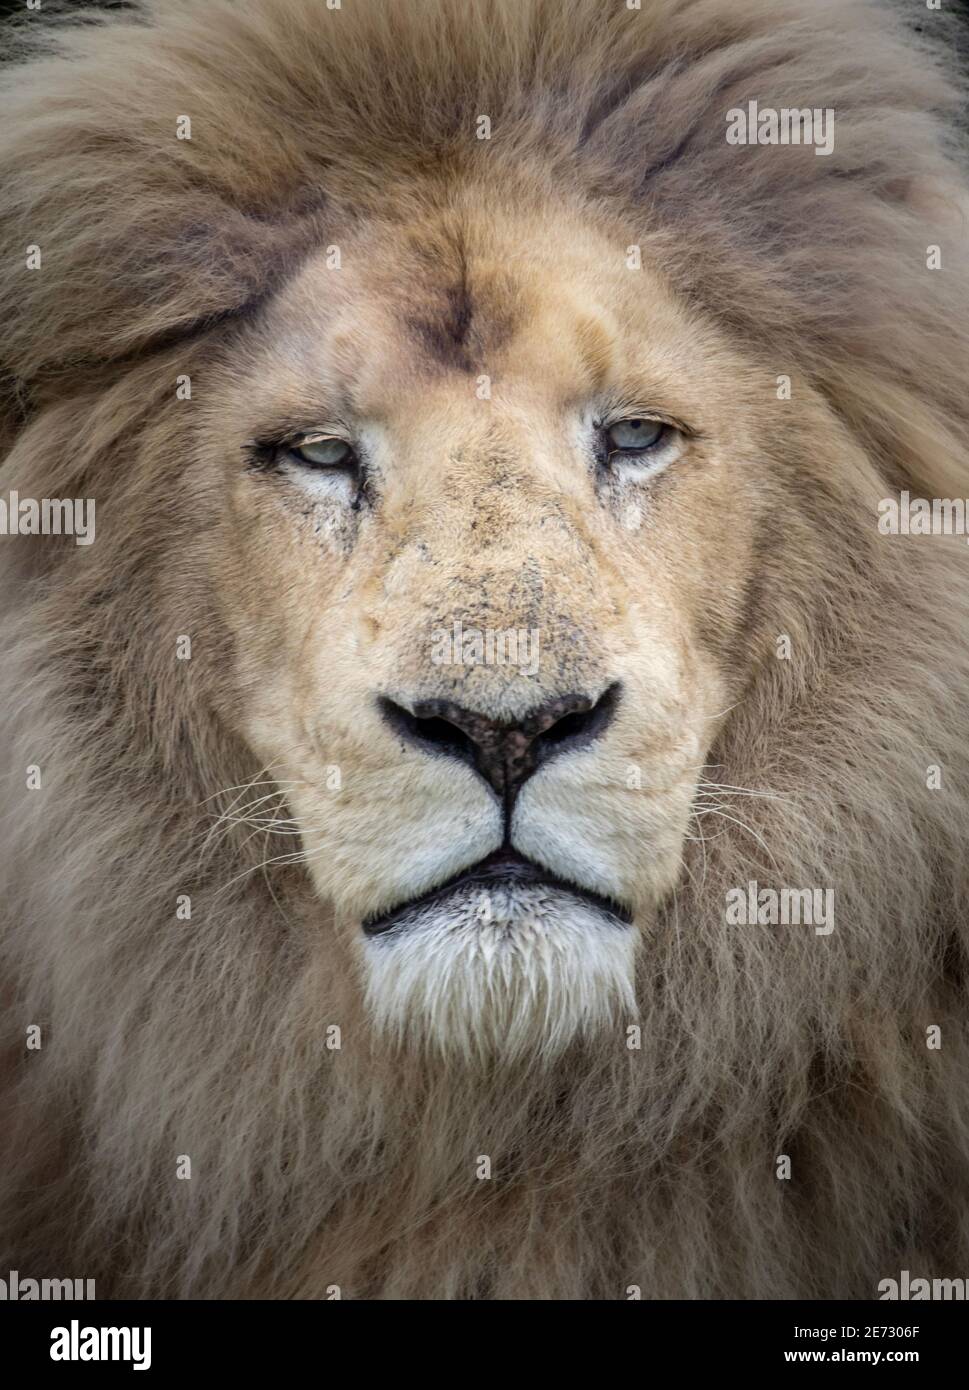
(317, 1167)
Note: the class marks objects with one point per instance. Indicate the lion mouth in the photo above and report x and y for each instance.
(503, 868)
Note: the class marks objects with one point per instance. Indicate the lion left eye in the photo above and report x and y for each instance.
(325, 452)
(634, 436)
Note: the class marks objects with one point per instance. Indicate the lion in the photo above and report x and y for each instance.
(486, 806)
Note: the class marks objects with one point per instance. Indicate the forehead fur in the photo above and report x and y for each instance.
(146, 237)
(553, 319)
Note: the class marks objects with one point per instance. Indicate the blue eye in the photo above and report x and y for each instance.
(635, 436)
(325, 452)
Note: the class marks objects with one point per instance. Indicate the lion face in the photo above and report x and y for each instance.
(491, 500)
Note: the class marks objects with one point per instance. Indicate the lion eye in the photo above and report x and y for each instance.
(325, 452)
(633, 436)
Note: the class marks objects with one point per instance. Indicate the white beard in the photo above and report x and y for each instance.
(501, 971)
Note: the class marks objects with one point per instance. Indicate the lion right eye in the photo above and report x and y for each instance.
(323, 452)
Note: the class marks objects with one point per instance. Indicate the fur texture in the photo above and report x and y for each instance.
(315, 1167)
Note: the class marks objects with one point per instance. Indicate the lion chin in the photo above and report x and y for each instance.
(500, 968)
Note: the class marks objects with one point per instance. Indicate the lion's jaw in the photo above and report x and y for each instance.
(484, 511)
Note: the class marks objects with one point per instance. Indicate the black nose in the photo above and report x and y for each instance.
(505, 755)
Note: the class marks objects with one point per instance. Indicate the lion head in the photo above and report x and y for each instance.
(483, 634)
(487, 592)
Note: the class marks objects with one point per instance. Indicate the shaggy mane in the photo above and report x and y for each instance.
(312, 1166)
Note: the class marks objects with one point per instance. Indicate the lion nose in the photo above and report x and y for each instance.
(505, 754)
